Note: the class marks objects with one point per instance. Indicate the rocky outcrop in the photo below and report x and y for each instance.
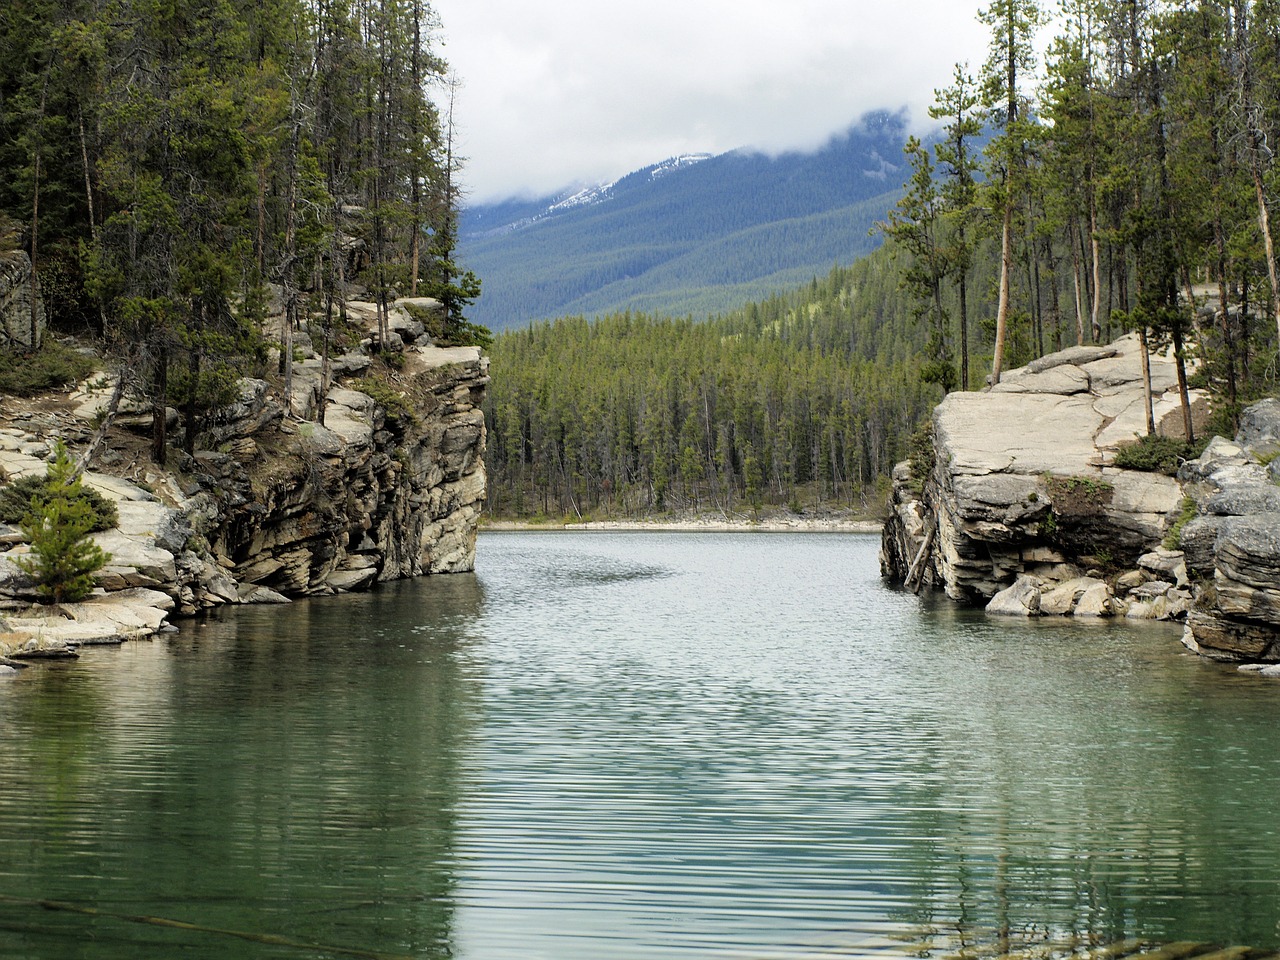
(1024, 510)
(1023, 484)
(369, 486)
(18, 294)
(1233, 541)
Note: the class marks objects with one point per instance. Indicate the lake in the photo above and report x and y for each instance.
(637, 745)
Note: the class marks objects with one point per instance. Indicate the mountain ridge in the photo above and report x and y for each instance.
(694, 233)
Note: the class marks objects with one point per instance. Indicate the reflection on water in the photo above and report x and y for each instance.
(291, 771)
(633, 746)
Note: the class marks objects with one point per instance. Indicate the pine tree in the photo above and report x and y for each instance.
(1013, 24)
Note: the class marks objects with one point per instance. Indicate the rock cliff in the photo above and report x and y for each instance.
(18, 290)
(332, 498)
(1021, 507)
(1233, 541)
(1022, 481)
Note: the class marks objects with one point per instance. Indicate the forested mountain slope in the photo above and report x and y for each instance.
(694, 235)
(798, 399)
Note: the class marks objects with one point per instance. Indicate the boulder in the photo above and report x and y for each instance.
(1166, 564)
(1020, 600)
(1097, 601)
(1260, 427)
(21, 307)
(1060, 601)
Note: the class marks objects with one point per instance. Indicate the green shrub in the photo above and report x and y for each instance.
(53, 365)
(922, 455)
(1187, 513)
(63, 559)
(393, 401)
(33, 494)
(1156, 454)
(447, 331)
(58, 519)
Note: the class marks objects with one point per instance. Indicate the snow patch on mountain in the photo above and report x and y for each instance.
(677, 163)
(583, 198)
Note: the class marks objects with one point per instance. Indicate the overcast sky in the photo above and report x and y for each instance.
(583, 91)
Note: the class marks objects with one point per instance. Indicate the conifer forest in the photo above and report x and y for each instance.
(178, 173)
(1109, 169)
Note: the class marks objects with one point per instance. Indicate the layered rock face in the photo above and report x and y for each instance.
(1022, 481)
(1024, 511)
(1234, 539)
(18, 290)
(361, 489)
(369, 495)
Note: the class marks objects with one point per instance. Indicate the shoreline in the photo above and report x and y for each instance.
(697, 525)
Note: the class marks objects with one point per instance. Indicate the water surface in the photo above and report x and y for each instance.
(634, 746)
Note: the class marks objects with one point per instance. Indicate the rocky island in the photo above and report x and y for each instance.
(280, 499)
(1021, 507)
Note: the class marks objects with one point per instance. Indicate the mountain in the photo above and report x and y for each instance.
(694, 235)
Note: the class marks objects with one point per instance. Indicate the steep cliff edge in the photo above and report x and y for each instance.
(1022, 508)
(1022, 481)
(21, 308)
(1233, 542)
(390, 484)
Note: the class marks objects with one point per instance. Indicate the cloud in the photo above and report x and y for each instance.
(576, 91)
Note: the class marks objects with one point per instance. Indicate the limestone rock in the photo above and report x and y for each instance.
(1130, 579)
(1061, 601)
(1170, 564)
(1020, 600)
(1260, 427)
(1022, 472)
(1198, 540)
(1097, 601)
(19, 292)
(275, 508)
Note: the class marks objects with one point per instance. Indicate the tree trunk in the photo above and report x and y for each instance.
(1244, 68)
(1079, 292)
(1183, 394)
(964, 321)
(1095, 246)
(159, 408)
(1146, 380)
(1002, 308)
(191, 413)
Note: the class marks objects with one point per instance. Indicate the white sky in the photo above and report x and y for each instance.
(582, 91)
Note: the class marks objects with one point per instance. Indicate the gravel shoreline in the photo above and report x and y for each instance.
(697, 525)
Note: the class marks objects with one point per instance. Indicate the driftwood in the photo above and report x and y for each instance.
(108, 417)
(916, 570)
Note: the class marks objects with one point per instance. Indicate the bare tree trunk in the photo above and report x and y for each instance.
(289, 287)
(1079, 293)
(1146, 380)
(1095, 246)
(1002, 308)
(1183, 395)
(108, 418)
(964, 321)
(88, 180)
(159, 408)
(1244, 68)
(35, 218)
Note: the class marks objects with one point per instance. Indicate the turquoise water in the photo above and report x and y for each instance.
(635, 746)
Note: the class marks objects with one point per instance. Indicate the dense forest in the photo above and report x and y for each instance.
(173, 168)
(1124, 181)
(795, 400)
